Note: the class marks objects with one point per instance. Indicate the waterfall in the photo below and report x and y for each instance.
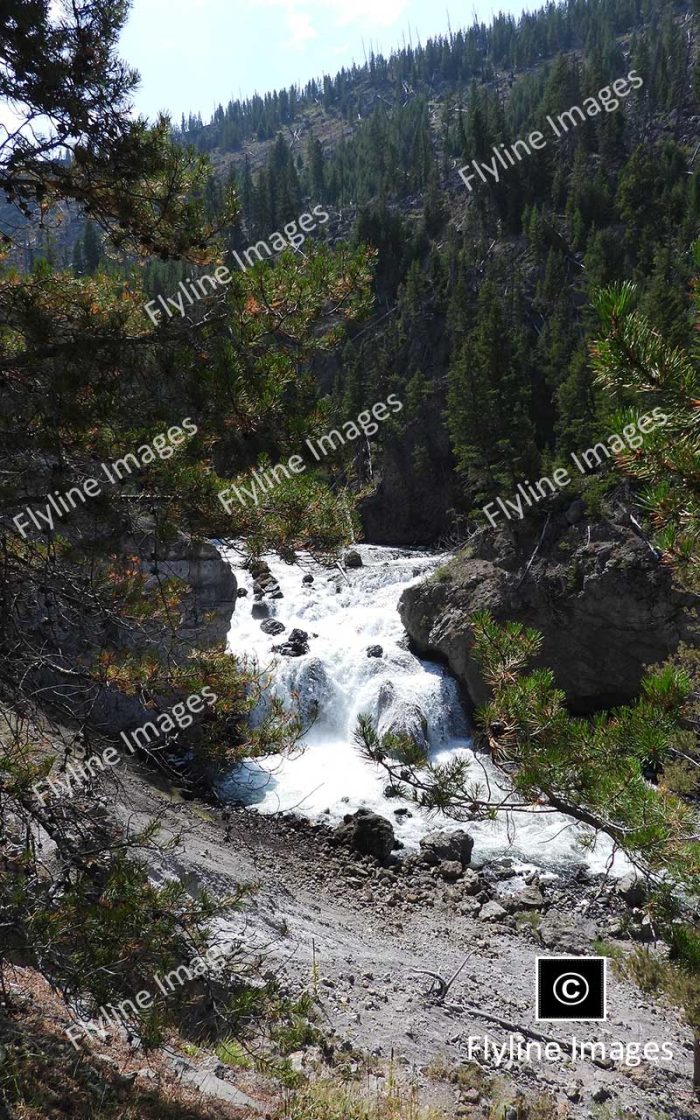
(345, 616)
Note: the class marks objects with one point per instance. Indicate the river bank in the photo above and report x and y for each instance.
(359, 935)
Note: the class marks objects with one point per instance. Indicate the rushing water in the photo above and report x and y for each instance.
(337, 680)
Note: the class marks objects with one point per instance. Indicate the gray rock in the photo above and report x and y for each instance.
(308, 578)
(375, 651)
(492, 912)
(296, 645)
(610, 582)
(439, 846)
(633, 889)
(352, 559)
(575, 512)
(571, 935)
(203, 618)
(272, 626)
(261, 610)
(450, 870)
(472, 882)
(212, 1086)
(501, 869)
(400, 717)
(368, 833)
(530, 898)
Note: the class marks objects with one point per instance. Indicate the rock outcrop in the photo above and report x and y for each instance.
(206, 609)
(604, 603)
(200, 620)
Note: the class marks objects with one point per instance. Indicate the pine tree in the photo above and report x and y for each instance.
(92, 248)
(489, 402)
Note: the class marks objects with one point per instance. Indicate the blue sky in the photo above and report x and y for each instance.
(193, 54)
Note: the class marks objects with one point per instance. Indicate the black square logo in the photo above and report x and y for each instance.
(571, 988)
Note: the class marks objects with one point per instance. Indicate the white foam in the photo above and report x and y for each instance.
(329, 777)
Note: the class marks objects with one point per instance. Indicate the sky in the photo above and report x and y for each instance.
(195, 54)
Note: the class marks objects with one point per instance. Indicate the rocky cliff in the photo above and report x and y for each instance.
(61, 634)
(604, 602)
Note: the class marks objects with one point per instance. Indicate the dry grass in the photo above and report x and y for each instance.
(329, 1101)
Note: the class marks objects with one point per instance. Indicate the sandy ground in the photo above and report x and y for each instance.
(313, 903)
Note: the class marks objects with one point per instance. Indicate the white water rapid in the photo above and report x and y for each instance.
(338, 680)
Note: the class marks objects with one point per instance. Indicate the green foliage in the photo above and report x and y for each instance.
(633, 362)
(91, 612)
(494, 446)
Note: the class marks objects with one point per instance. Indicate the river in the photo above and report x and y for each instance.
(337, 680)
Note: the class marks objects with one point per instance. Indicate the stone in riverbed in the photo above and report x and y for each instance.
(296, 645)
(272, 626)
(352, 559)
(530, 898)
(375, 651)
(439, 846)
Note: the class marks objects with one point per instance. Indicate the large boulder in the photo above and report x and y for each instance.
(605, 605)
(207, 607)
(315, 690)
(368, 833)
(438, 847)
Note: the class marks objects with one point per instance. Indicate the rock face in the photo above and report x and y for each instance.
(201, 620)
(207, 608)
(605, 605)
(368, 833)
(492, 912)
